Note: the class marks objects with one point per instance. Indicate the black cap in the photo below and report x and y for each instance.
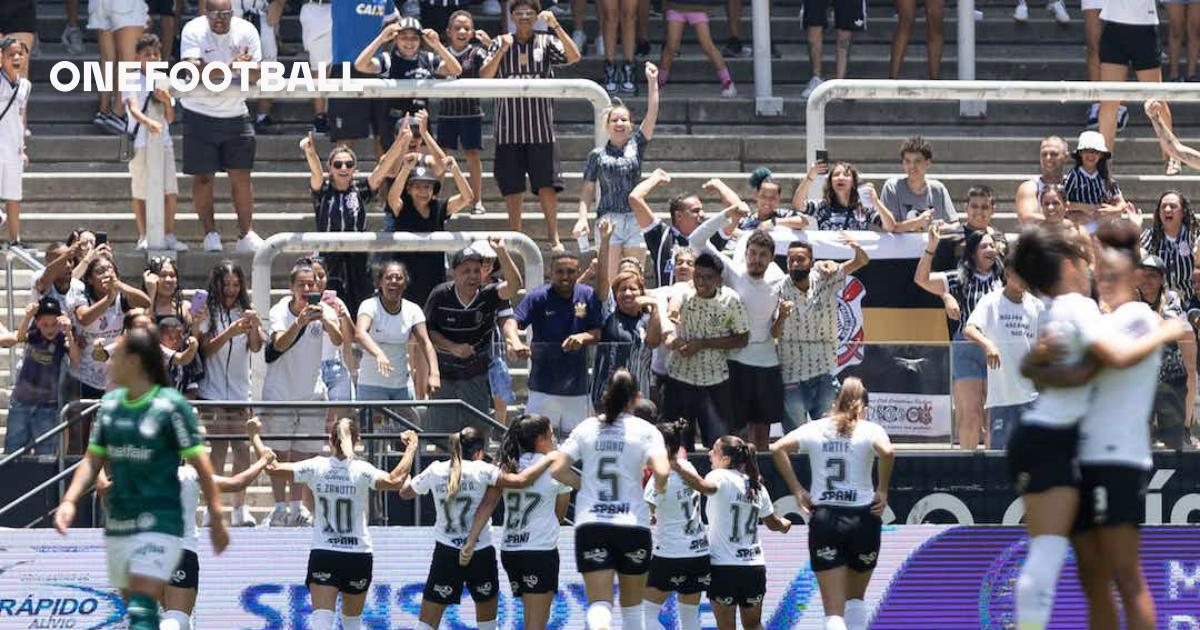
(48, 306)
(465, 254)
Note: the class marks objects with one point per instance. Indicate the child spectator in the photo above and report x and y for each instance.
(407, 60)
(151, 111)
(460, 120)
(33, 410)
(14, 96)
(1092, 193)
(413, 206)
(678, 15)
(182, 367)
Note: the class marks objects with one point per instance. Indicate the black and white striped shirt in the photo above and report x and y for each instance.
(1082, 187)
(471, 59)
(342, 210)
(968, 291)
(1177, 254)
(527, 120)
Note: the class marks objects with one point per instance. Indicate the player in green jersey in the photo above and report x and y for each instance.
(142, 430)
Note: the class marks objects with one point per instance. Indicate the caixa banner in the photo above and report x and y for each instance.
(929, 577)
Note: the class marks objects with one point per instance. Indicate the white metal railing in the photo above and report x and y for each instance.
(392, 88)
(27, 259)
(1060, 91)
(765, 103)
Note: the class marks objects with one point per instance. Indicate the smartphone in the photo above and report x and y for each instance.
(823, 156)
(313, 298)
(101, 238)
(199, 301)
(329, 296)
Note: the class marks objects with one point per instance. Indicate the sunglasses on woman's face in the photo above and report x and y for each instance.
(220, 15)
(341, 164)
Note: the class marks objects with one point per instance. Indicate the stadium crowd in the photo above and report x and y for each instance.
(728, 339)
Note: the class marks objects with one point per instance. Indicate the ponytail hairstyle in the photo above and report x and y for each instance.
(1123, 238)
(522, 438)
(742, 457)
(622, 389)
(342, 437)
(464, 444)
(672, 433)
(851, 403)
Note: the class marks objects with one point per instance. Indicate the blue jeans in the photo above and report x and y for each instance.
(337, 380)
(807, 399)
(26, 422)
(376, 392)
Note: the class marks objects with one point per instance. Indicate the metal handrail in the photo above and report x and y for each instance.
(33, 264)
(90, 406)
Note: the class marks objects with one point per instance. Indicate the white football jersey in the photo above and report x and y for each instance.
(530, 521)
(454, 514)
(1075, 322)
(678, 530)
(613, 457)
(841, 464)
(189, 497)
(733, 519)
(341, 491)
(1116, 429)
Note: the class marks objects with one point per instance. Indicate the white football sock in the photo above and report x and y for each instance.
(1038, 580)
(631, 617)
(651, 611)
(856, 614)
(834, 622)
(689, 616)
(599, 616)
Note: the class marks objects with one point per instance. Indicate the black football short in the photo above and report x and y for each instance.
(601, 547)
(741, 586)
(349, 572)
(1041, 458)
(680, 575)
(843, 537)
(531, 572)
(1110, 496)
(187, 572)
(447, 577)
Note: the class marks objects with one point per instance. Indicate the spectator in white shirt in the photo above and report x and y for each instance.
(387, 323)
(230, 333)
(151, 112)
(299, 324)
(14, 96)
(219, 133)
(1005, 324)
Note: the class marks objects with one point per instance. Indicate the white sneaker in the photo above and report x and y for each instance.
(1060, 12)
(303, 518)
(141, 244)
(249, 243)
(242, 517)
(729, 92)
(172, 243)
(478, 209)
(279, 517)
(599, 45)
(72, 38)
(411, 8)
(580, 39)
(491, 7)
(212, 242)
(812, 85)
(1021, 13)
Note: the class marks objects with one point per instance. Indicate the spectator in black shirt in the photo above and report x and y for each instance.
(461, 318)
(525, 144)
(407, 60)
(687, 213)
(340, 203)
(413, 206)
(981, 205)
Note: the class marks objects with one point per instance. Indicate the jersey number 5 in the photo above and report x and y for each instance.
(606, 472)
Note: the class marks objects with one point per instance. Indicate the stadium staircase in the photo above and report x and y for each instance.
(75, 179)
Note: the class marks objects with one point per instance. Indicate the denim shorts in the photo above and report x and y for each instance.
(337, 380)
(377, 392)
(26, 422)
(500, 379)
(626, 232)
(967, 360)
